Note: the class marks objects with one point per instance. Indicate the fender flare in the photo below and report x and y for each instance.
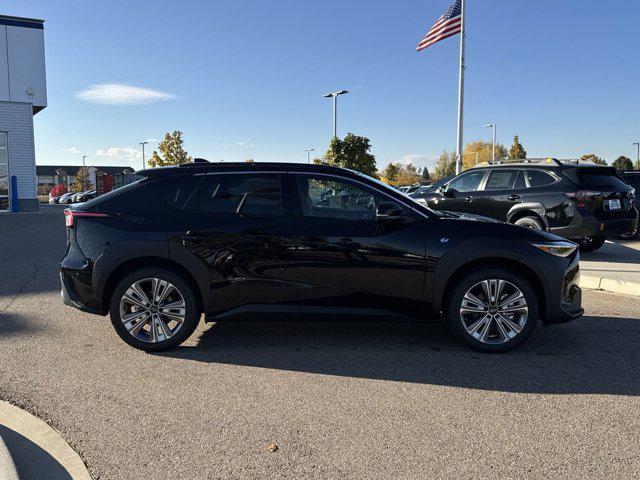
(534, 207)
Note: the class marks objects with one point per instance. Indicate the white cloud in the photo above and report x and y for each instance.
(71, 150)
(245, 142)
(117, 94)
(120, 153)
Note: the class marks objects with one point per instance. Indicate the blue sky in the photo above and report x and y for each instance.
(245, 78)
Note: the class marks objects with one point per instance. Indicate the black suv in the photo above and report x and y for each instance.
(239, 240)
(632, 177)
(579, 201)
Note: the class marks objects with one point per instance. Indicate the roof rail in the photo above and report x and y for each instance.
(525, 160)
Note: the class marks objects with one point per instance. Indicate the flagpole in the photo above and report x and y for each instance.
(460, 93)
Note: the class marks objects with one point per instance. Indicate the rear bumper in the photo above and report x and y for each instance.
(588, 226)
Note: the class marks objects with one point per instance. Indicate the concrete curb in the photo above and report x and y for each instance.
(38, 451)
(8, 469)
(609, 285)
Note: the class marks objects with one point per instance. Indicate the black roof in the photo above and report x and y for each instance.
(241, 166)
(539, 162)
(72, 169)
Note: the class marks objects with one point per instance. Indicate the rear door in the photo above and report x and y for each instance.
(237, 225)
(502, 189)
(346, 260)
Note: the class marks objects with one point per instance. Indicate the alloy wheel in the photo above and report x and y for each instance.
(152, 310)
(494, 311)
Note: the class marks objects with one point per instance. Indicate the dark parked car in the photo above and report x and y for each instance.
(632, 177)
(582, 202)
(290, 241)
(427, 190)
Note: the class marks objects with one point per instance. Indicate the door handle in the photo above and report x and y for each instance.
(469, 199)
(513, 198)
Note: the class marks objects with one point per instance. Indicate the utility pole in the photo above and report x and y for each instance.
(84, 173)
(493, 145)
(144, 163)
(335, 96)
(308, 150)
(637, 144)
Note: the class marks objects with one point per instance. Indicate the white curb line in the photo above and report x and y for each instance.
(609, 285)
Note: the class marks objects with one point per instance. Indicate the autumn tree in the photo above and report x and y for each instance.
(81, 181)
(445, 166)
(480, 151)
(517, 151)
(172, 151)
(390, 174)
(622, 163)
(352, 152)
(592, 157)
(424, 176)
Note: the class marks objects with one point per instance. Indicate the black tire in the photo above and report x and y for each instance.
(192, 311)
(591, 244)
(467, 282)
(529, 222)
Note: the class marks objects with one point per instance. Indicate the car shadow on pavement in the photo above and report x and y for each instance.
(613, 252)
(30, 459)
(12, 324)
(592, 355)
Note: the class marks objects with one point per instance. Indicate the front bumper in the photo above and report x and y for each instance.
(77, 294)
(570, 305)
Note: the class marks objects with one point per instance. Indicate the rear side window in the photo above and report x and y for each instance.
(247, 194)
(538, 178)
(501, 179)
(601, 178)
(519, 183)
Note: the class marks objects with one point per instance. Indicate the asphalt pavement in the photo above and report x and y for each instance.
(346, 401)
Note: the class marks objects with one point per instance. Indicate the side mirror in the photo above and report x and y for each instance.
(449, 192)
(389, 212)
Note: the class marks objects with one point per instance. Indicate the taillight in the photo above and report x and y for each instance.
(71, 215)
(581, 196)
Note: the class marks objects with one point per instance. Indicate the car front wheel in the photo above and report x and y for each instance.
(493, 309)
(154, 309)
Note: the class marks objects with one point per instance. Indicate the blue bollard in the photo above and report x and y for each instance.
(14, 194)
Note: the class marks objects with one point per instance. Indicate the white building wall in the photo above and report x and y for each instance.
(17, 120)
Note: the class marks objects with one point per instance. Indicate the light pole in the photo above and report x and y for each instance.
(335, 95)
(144, 163)
(309, 150)
(493, 145)
(637, 144)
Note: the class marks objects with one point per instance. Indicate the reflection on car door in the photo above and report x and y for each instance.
(237, 225)
(460, 193)
(503, 189)
(346, 260)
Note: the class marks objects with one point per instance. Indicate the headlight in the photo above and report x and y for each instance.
(559, 249)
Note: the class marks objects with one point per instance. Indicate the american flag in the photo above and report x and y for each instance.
(447, 25)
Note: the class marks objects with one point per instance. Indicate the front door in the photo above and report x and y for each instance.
(459, 195)
(236, 224)
(347, 262)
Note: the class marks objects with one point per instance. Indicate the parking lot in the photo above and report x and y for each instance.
(349, 400)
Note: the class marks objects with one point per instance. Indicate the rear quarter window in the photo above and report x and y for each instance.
(605, 178)
(539, 178)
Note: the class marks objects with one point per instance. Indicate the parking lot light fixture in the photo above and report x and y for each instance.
(493, 145)
(309, 150)
(637, 144)
(335, 96)
(144, 164)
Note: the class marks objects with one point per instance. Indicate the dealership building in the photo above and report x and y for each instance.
(23, 93)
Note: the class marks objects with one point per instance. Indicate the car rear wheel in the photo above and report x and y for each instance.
(591, 244)
(493, 309)
(529, 222)
(154, 309)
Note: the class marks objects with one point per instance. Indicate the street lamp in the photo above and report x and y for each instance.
(493, 146)
(335, 95)
(637, 144)
(144, 164)
(309, 150)
(84, 173)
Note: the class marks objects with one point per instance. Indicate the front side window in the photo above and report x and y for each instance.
(332, 197)
(501, 179)
(467, 182)
(246, 194)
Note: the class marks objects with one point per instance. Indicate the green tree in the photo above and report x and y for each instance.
(172, 151)
(445, 166)
(482, 151)
(424, 176)
(390, 174)
(622, 163)
(352, 152)
(81, 181)
(592, 157)
(517, 151)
